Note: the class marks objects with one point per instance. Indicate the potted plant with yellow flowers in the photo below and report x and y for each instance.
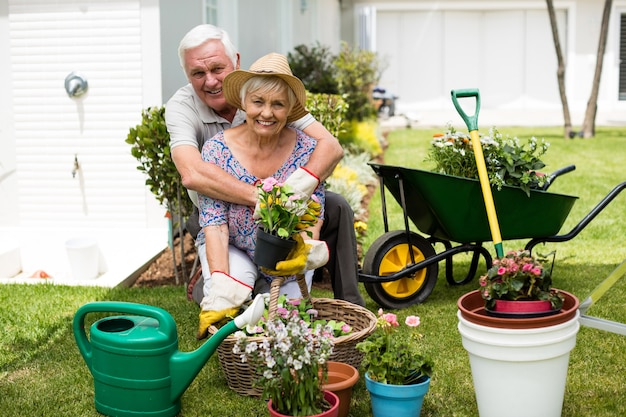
(397, 373)
(280, 214)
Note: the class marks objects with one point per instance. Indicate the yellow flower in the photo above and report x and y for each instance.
(360, 227)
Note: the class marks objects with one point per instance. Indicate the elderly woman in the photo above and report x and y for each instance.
(264, 146)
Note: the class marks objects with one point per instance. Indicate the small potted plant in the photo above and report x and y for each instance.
(291, 363)
(397, 373)
(280, 214)
(519, 283)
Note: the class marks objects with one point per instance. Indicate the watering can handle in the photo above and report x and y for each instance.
(470, 121)
(166, 322)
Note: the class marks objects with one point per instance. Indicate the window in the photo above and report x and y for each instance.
(210, 12)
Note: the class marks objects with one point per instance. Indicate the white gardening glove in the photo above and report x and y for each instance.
(193, 196)
(226, 295)
(303, 182)
(305, 256)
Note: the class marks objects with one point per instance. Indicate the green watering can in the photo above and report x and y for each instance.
(134, 359)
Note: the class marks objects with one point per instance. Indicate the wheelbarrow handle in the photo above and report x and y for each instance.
(470, 121)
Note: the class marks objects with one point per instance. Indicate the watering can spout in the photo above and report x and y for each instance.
(186, 365)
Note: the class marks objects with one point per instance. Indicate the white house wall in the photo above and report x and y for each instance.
(103, 41)
(503, 48)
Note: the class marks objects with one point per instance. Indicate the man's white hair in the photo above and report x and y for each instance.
(204, 33)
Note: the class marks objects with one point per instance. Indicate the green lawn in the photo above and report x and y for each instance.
(43, 374)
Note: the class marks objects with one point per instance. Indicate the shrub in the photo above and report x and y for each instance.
(352, 74)
(362, 136)
(314, 66)
(351, 178)
(328, 109)
(150, 143)
(358, 71)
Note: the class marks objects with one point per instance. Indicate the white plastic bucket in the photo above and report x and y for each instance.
(83, 255)
(510, 363)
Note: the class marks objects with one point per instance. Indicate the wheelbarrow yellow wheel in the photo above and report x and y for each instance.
(390, 253)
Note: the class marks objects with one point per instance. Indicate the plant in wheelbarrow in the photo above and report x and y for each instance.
(508, 160)
(397, 373)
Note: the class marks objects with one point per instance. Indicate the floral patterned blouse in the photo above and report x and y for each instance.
(241, 225)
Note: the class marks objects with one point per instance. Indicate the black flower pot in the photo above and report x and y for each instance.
(271, 249)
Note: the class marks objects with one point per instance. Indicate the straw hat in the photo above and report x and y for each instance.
(272, 64)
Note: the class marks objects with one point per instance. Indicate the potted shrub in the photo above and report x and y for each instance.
(397, 373)
(523, 351)
(281, 213)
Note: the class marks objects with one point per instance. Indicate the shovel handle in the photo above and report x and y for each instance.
(472, 126)
(470, 121)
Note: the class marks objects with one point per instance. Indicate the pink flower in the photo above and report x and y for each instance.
(412, 321)
(268, 184)
(392, 319)
(501, 270)
(527, 267)
(346, 328)
(536, 270)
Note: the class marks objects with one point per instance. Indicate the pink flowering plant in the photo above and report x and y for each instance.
(303, 309)
(392, 354)
(290, 362)
(282, 212)
(519, 276)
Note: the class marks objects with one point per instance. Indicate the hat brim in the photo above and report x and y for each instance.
(235, 80)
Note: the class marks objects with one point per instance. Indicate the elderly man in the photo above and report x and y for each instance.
(198, 111)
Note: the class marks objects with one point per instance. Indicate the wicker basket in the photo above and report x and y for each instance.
(240, 376)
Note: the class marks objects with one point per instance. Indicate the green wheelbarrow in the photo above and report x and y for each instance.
(401, 267)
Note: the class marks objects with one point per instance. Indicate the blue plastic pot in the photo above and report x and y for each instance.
(390, 400)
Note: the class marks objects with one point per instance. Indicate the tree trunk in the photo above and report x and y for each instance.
(560, 72)
(589, 124)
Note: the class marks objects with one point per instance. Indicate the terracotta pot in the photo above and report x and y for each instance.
(328, 395)
(341, 378)
(271, 249)
(472, 308)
